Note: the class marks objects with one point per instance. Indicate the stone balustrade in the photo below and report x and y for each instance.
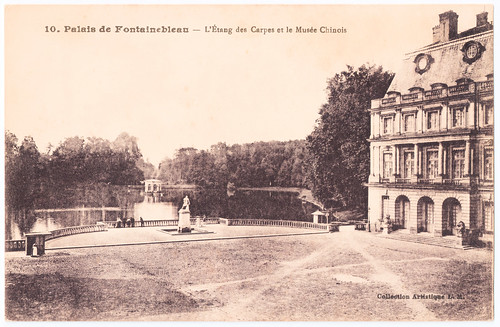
(15, 245)
(20, 245)
(411, 97)
(273, 223)
(485, 86)
(440, 93)
(166, 222)
(77, 230)
(462, 89)
(435, 94)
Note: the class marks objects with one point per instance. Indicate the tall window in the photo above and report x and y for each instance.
(458, 117)
(488, 216)
(385, 206)
(432, 164)
(458, 163)
(488, 113)
(387, 125)
(408, 164)
(488, 164)
(387, 165)
(409, 123)
(433, 120)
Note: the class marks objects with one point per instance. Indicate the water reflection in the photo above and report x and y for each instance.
(152, 208)
(46, 224)
(135, 203)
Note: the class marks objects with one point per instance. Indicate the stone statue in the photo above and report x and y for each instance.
(460, 229)
(387, 224)
(186, 203)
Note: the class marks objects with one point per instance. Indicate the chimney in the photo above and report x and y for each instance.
(481, 19)
(447, 28)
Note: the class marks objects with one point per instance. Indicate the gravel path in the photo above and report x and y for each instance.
(250, 304)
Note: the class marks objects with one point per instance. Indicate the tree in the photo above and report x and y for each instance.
(97, 159)
(22, 179)
(248, 165)
(339, 151)
(67, 166)
(127, 145)
(147, 168)
(11, 165)
(125, 157)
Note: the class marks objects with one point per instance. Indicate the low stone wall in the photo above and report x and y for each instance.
(77, 230)
(209, 221)
(146, 223)
(15, 245)
(20, 245)
(165, 222)
(273, 223)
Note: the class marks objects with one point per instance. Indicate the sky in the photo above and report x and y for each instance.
(173, 90)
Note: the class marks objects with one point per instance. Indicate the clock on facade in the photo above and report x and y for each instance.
(472, 51)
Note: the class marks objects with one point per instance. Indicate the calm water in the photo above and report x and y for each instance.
(84, 207)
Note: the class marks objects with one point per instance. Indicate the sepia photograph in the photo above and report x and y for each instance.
(248, 162)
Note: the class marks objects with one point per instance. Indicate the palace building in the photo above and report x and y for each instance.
(431, 142)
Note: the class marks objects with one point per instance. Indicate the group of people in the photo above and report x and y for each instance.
(130, 222)
(127, 222)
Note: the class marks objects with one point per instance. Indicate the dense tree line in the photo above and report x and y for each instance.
(340, 154)
(35, 179)
(247, 165)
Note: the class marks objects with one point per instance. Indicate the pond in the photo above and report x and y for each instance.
(107, 203)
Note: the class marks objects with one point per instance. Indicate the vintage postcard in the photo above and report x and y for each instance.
(249, 162)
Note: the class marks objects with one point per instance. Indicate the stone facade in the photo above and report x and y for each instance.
(431, 142)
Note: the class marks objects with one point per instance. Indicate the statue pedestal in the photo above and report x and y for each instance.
(184, 225)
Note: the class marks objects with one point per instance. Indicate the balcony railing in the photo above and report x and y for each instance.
(435, 94)
(412, 97)
(445, 181)
(461, 89)
(485, 86)
(388, 101)
(452, 181)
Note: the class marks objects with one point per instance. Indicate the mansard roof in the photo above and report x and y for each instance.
(446, 63)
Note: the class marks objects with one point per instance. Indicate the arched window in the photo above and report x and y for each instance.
(425, 214)
(402, 213)
(451, 215)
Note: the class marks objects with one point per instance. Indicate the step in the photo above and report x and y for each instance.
(436, 241)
